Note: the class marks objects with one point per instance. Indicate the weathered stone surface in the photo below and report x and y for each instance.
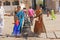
(42, 35)
(50, 35)
(57, 34)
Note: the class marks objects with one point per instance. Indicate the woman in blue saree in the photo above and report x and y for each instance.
(20, 15)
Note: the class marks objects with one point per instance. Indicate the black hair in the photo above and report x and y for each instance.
(30, 7)
(24, 8)
(18, 6)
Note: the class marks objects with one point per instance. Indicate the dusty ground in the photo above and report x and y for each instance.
(52, 29)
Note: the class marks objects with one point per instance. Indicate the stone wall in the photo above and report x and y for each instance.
(53, 4)
(50, 4)
(27, 3)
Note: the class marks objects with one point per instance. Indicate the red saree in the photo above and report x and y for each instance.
(39, 26)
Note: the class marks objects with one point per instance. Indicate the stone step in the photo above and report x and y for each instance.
(31, 38)
(42, 39)
(57, 34)
(42, 35)
(50, 35)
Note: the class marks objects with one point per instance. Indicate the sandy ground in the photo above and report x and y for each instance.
(52, 26)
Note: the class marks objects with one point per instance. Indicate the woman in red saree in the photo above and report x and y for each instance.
(39, 26)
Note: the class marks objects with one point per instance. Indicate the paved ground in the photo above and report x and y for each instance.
(52, 29)
(52, 26)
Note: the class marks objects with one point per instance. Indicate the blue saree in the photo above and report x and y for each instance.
(20, 16)
(17, 28)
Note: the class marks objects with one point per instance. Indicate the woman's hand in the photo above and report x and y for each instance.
(13, 23)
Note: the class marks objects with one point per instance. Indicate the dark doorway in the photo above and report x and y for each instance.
(44, 4)
(34, 4)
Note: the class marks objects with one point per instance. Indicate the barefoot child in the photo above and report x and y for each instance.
(16, 32)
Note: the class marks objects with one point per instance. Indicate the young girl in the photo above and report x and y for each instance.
(53, 15)
(16, 32)
(31, 14)
(26, 20)
(48, 12)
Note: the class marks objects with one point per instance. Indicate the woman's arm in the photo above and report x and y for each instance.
(38, 15)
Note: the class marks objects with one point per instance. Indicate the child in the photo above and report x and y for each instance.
(26, 27)
(53, 14)
(48, 12)
(31, 14)
(26, 20)
(16, 32)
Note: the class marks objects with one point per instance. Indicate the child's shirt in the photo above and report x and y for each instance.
(17, 22)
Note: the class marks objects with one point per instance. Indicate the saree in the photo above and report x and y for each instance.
(39, 26)
(20, 16)
(15, 29)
